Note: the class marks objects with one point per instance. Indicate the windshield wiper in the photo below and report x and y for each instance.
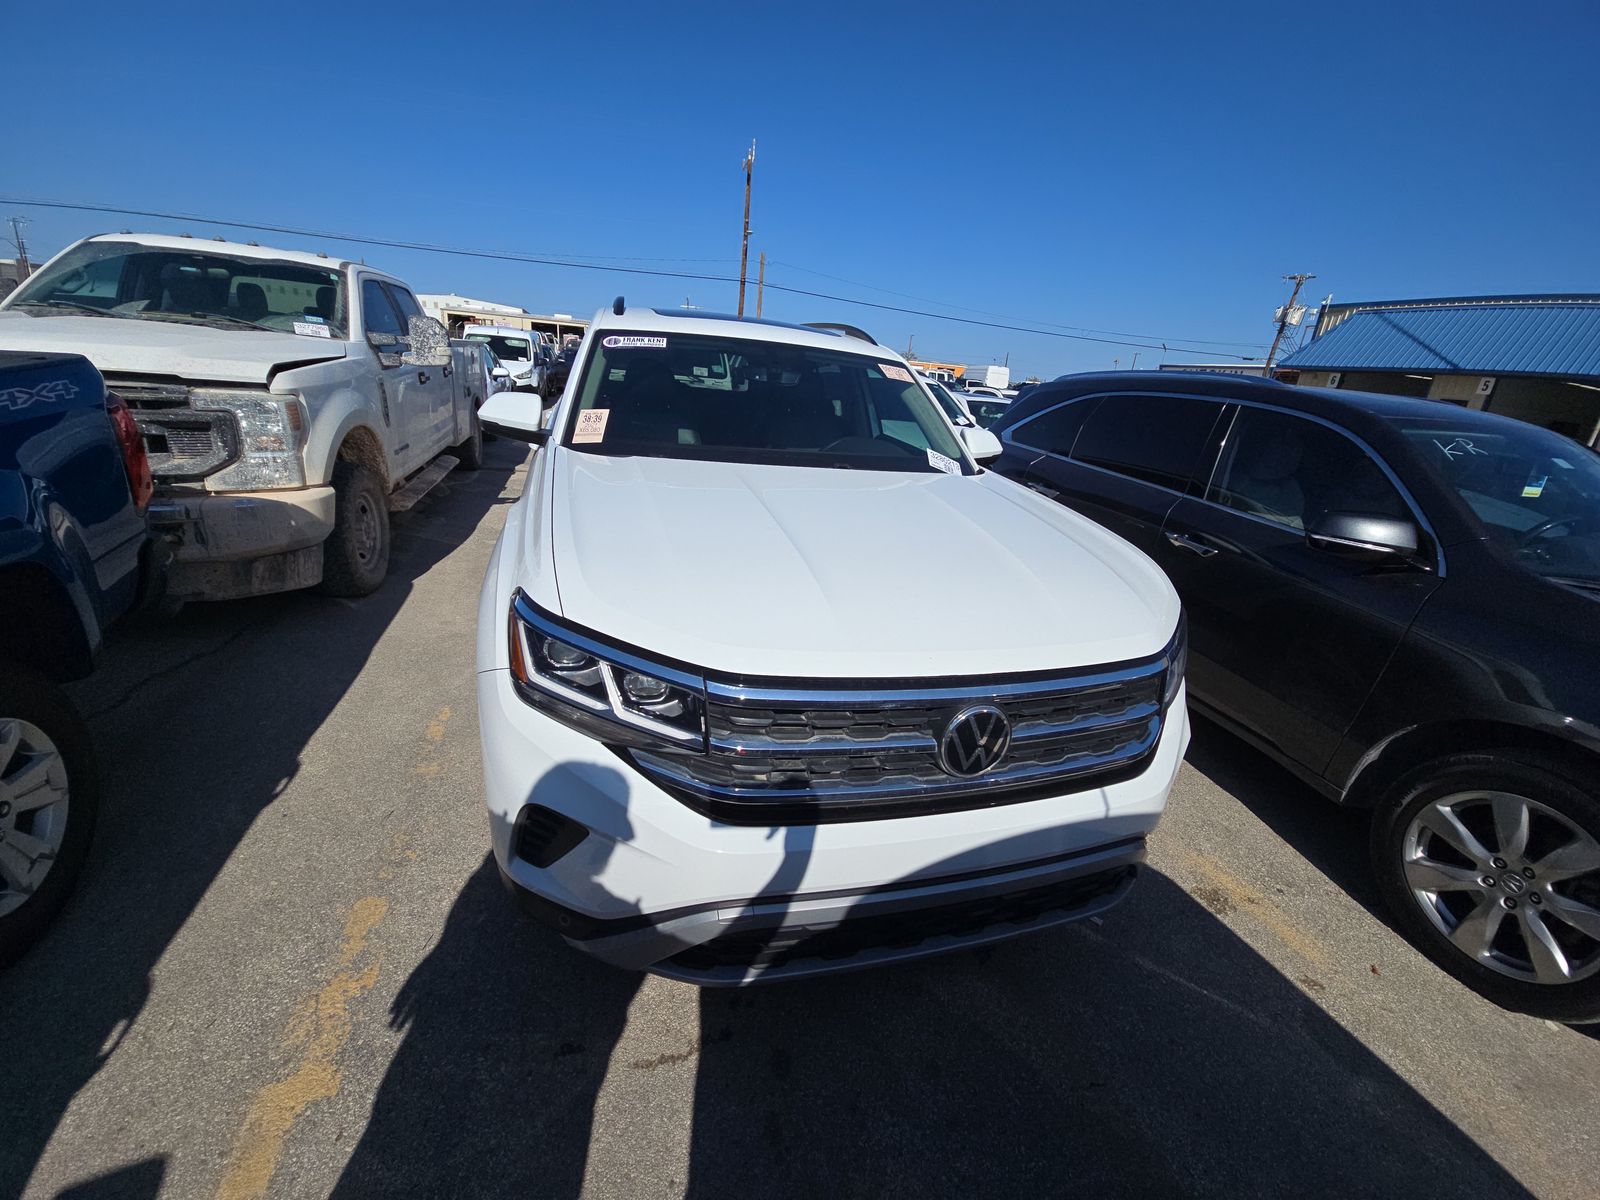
(207, 319)
(1577, 581)
(74, 306)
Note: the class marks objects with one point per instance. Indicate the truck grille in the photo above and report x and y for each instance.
(792, 754)
(182, 443)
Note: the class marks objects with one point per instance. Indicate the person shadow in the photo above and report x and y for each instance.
(1148, 1053)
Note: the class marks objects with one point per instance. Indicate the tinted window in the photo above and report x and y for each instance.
(406, 303)
(1158, 439)
(504, 347)
(1291, 470)
(376, 310)
(1055, 429)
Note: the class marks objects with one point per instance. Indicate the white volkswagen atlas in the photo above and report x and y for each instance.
(734, 726)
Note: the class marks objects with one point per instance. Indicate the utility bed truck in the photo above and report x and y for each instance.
(288, 401)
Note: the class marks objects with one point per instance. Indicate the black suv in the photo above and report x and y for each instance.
(1400, 601)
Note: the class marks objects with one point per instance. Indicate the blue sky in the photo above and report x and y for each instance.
(1141, 168)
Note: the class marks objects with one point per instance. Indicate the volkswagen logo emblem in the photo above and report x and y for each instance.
(975, 740)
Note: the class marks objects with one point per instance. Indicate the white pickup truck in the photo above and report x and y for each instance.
(288, 401)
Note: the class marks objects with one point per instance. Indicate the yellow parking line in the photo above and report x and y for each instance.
(1229, 892)
(321, 1026)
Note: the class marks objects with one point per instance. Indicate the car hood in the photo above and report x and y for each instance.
(822, 573)
(140, 347)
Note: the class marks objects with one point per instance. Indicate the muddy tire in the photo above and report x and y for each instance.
(355, 558)
(469, 453)
(49, 799)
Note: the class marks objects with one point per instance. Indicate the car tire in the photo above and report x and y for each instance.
(355, 558)
(40, 730)
(469, 453)
(1482, 859)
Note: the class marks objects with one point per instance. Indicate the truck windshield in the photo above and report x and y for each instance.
(1534, 491)
(126, 279)
(666, 395)
(515, 349)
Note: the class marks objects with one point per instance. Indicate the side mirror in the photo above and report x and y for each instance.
(430, 344)
(509, 415)
(1363, 536)
(981, 444)
(501, 373)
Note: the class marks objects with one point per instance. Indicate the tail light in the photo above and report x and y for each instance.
(131, 441)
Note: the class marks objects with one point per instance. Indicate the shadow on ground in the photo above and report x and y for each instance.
(1153, 1054)
(199, 723)
(1330, 837)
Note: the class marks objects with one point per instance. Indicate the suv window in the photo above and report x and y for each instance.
(1054, 430)
(1290, 470)
(1157, 439)
(376, 310)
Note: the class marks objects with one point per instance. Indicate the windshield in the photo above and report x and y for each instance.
(727, 399)
(1535, 492)
(986, 412)
(948, 403)
(503, 347)
(125, 279)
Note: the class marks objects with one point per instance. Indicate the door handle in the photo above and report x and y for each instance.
(422, 377)
(1183, 542)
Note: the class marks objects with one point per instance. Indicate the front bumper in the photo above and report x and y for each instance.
(656, 886)
(243, 543)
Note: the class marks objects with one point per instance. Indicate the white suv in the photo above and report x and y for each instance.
(733, 726)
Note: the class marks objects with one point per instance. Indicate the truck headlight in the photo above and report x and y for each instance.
(271, 435)
(1177, 661)
(608, 693)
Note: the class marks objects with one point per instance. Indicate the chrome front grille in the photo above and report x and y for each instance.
(182, 443)
(789, 754)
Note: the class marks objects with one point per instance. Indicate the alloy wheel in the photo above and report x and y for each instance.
(1510, 882)
(34, 801)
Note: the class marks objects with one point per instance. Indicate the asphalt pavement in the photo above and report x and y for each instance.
(291, 971)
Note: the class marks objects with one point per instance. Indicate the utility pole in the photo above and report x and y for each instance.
(24, 269)
(744, 249)
(1134, 366)
(1283, 319)
(761, 283)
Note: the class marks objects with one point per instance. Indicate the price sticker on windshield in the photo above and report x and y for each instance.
(311, 329)
(939, 462)
(591, 426)
(890, 371)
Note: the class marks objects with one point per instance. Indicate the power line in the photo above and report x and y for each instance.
(1150, 343)
(1007, 317)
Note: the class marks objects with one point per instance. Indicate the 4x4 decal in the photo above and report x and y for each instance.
(19, 398)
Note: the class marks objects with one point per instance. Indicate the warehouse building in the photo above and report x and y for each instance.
(1536, 358)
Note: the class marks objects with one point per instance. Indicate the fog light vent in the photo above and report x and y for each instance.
(543, 836)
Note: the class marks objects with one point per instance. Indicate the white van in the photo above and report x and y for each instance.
(519, 350)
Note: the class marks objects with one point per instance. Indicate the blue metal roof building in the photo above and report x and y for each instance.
(1533, 357)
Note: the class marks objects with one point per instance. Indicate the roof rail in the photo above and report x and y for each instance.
(843, 330)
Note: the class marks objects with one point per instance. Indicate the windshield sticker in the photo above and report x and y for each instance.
(591, 426)
(310, 330)
(1459, 448)
(1535, 488)
(940, 463)
(703, 372)
(313, 317)
(890, 371)
(619, 341)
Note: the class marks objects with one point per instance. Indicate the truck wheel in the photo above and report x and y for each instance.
(469, 453)
(1491, 863)
(49, 796)
(355, 558)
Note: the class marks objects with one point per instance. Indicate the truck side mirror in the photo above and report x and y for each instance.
(430, 344)
(981, 444)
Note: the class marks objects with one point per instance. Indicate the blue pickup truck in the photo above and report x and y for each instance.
(74, 557)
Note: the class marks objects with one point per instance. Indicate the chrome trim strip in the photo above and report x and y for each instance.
(912, 696)
(891, 788)
(1022, 734)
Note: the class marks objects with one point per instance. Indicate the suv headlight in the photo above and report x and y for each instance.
(609, 693)
(1177, 661)
(271, 435)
